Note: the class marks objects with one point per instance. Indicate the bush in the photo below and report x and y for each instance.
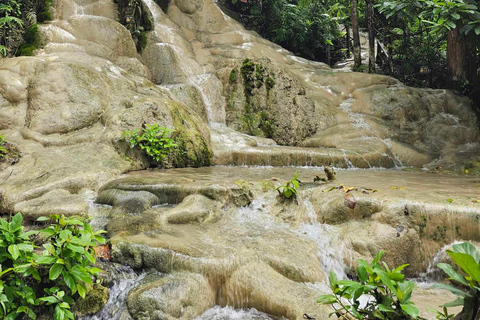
(155, 140)
(388, 290)
(32, 41)
(467, 257)
(50, 282)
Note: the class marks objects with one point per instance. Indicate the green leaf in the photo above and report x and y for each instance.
(448, 269)
(25, 247)
(452, 289)
(362, 273)
(55, 271)
(467, 263)
(80, 274)
(69, 281)
(42, 219)
(48, 299)
(458, 302)
(467, 248)
(410, 309)
(45, 260)
(16, 223)
(327, 299)
(82, 290)
(14, 251)
(59, 314)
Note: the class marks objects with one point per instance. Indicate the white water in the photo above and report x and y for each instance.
(116, 308)
(229, 313)
(331, 250)
(358, 122)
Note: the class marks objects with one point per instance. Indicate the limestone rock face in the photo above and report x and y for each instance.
(178, 296)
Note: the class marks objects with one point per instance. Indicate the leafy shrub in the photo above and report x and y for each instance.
(155, 140)
(388, 290)
(290, 189)
(467, 257)
(3, 150)
(30, 283)
(32, 41)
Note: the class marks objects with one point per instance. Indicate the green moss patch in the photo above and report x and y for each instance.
(193, 149)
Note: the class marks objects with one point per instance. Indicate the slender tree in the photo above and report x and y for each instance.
(357, 51)
(371, 35)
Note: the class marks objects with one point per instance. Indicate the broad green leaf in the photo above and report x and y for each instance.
(448, 269)
(410, 309)
(467, 263)
(55, 271)
(452, 289)
(458, 302)
(16, 223)
(45, 260)
(82, 290)
(14, 251)
(362, 273)
(59, 314)
(467, 248)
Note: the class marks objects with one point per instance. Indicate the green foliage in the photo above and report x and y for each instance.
(270, 83)
(415, 34)
(43, 13)
(32, 41)
(141, 41)
(51, 281)
(155, 140)
(307, 28)
(3, 150)
(390, 291)
(442, 315)
(467, 288)
(290, 189)
(233, 75)
(10, 19)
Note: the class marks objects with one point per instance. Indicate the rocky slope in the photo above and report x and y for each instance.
(66, 108)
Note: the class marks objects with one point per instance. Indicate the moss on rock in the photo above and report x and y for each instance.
(193, 148)
(95, 299)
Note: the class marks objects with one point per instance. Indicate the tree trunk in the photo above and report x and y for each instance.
(349, 49)
(462, 66)
(357, 51)
(456, 55)
(371, 36)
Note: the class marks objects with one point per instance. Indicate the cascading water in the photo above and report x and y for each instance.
(359, 123)
(331, 249)
(125, 279)
(229, 313)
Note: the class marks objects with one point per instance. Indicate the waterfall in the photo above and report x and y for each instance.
(125, 279)
(331, 250)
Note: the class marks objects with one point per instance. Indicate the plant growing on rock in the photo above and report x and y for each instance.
(157, 141)
(3, 150)
(467, 257)
(387, 292)
(32, 283)
(290, 189)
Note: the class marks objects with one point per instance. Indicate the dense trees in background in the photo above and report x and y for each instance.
(425, 43)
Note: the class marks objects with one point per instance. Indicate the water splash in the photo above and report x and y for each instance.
(229, 313)
(331, 250)
(433, 273)
(125, 280)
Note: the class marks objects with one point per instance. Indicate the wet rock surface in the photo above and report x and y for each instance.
(225, 231)
(272, 255)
